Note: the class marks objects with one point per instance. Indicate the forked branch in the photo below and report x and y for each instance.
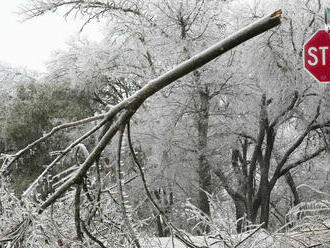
(131, 104)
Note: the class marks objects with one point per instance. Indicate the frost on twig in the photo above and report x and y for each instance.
(29, 147)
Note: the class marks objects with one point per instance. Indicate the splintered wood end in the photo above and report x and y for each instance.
(277, 13)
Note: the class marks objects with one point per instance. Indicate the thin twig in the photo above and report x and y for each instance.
(155, 205)
(289, 108)
(63, 153)
(249, 236)
(49, 134)
(81, 172)
(91, 236)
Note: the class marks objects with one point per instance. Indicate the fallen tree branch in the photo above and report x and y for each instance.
(132, 103)
(59, 157)
(81, 172)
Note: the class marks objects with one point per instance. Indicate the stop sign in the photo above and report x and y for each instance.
(317, 56)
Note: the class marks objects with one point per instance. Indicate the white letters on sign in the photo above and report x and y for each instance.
(314, 61)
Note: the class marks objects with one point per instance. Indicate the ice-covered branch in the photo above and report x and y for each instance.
(17, 155)
(132, 103)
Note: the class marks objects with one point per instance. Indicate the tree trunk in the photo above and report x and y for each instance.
(265, 201)
(204, 172)
(240, 210)
(327, 130)
(264, 186)
(289, 180)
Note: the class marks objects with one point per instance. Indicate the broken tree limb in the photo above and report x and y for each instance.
(202, 58)
(132, 103)
(80, 174)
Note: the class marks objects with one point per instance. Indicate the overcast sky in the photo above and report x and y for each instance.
(30, 44)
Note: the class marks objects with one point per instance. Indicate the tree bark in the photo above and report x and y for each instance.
(256, 156)
(240, 210)
(265, 201)
(204, 170)
(289, 180)
(264, 182)
(327, 130)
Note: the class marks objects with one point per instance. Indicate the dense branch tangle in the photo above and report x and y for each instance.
(249, 197)
(124, 111)
(92, 8)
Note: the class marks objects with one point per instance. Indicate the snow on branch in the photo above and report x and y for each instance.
(131, 104)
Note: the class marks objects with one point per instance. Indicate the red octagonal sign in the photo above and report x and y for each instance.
(317, 56)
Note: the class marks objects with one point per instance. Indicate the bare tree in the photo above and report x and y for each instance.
(250, 196)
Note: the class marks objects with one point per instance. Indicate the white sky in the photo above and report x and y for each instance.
(30, 44)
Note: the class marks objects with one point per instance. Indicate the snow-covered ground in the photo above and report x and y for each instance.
(169, 242)
(261, 239)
